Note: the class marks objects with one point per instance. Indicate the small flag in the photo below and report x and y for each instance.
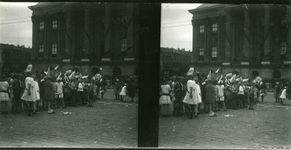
(232, 79)
(48, 72)
(85, 77)
(245, 80)
(28, 68)
(217, 71)
(57, 67)
(209, 75)
(72, 75)
(59, 76)
(191, 71)
(220, 79)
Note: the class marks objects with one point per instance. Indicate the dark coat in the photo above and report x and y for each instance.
(131, 88)
(210, 96)
(49, 91)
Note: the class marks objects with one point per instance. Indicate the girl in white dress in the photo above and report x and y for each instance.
(283, 95)
(123, 92)
(165, 98)
(4, 96)
(36, 95)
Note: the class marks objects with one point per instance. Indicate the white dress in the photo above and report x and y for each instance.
(25, 96)
(123, 91)
(284, 94)
(59, 89)
(221, 92)
(165, 95)
(198, 90)
(4, 96)
(36, 91)
(195, 93)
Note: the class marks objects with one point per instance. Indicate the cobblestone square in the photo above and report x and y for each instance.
(110, 123)
(268, 126)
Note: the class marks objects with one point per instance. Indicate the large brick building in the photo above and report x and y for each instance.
(14, 58)
(174, 61)
(248, 38)
(86, 35)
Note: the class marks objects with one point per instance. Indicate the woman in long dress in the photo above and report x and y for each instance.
(165, 98)
(4, 96)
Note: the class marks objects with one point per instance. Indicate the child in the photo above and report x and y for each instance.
(59, 93)
(262, 94)
(221, 95)
(283, 95)
(252, 95)
(80, 92)
(123, 92)
(91, 94)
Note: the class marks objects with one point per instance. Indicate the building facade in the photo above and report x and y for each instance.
(14, 58)
(246, 38)
(174, 61)
(86, 35)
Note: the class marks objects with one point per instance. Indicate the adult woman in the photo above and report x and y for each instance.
(165, 99)
(117, 87)
(210, 97)
(131, 88)
(4, 96)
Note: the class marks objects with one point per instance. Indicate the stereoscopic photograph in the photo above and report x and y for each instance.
(69, 74)
(225, 76)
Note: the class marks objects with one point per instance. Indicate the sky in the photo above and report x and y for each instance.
(15, 23)
(176, 27)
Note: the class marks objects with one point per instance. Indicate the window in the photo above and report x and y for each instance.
(201, 29)
(124, 18)
(41, 50)
(41, 25)
(283, 48)
(55, 24)
(214, 54)
(201, 54)
(54, 50)
(123, 45)
(214, 27)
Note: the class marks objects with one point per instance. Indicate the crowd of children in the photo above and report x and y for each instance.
(44, 91)
(198, 94)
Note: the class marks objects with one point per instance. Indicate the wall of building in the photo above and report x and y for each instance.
(251, 34)
(86, 31)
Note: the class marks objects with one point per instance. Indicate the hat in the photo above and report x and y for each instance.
(28, 68)
(191, 71)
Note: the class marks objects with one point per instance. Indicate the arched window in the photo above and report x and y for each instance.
(116, 71)
(276, 74)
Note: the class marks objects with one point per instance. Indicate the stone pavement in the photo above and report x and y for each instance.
(268, 126)
(109, 123)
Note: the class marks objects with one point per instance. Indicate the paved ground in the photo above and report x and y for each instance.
(109, 123)
(268, 126)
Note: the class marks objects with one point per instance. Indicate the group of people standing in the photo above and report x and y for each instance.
(123, 88)
(41, 91)
(194, 95)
